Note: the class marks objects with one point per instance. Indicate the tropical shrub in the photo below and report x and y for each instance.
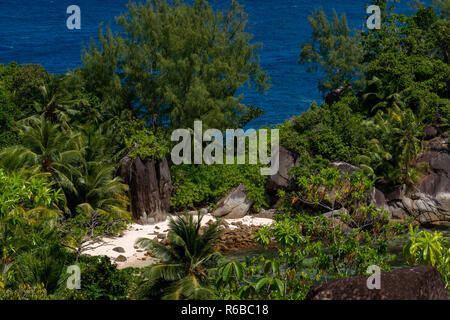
(432, 249)
(31, 256)
(330, 189)
(333, 132)
(100, 280)
(395, 146)
(28, 211)
(310, 250)
(24, 292)
(314, 247)
(202, 185)
(23, 83)
(8, 114)
(145, 144)
(43, 265)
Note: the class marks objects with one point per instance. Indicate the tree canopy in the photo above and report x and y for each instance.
(175, 63)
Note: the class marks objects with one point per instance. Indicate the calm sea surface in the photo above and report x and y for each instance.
(34, 31)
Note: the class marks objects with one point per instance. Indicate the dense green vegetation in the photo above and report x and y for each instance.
(62, 136)
(405, 69)
(203, 185)
(174, 73)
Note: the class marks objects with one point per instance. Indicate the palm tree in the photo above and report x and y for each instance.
(55, 102)
(24, 230)
(408, 131)
(397, 145)
(45, 148)
(96, 190)
(95, 197)
(381, 96)
(96, 142)
(185, 263)
(44, 265)
(76, 162)
(93, 185)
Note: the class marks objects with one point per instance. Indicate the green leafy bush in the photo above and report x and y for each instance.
(146, 144)
(313, 248)
(43, 265)
(9, 112)
(28, 211)
(100, 280)
(432, 249)
(199, 185)
(332, 132)
(20, 192)
(395, 147)
(310, 250)
(24, 292)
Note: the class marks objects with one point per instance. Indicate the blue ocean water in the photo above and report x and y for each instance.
(34, 31)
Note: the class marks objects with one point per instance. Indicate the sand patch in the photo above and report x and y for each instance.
(136, 257)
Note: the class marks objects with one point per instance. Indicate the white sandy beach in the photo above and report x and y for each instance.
(135, 257)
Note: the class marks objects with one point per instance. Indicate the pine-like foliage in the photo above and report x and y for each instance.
(177, 63)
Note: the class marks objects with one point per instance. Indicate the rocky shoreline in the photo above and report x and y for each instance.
(427, 201)
(241, 237)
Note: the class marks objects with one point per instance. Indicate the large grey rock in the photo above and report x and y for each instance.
(378, 199)
(430, 131)
(344, 167)
(282, 180)
(119, 249)
(417, 283)
(425, 208)
(374, 196)
(234, 205)
(149, 188)
(121, 258)
(268, 214)
(336, 94)
(429, 200)
(335, 214)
